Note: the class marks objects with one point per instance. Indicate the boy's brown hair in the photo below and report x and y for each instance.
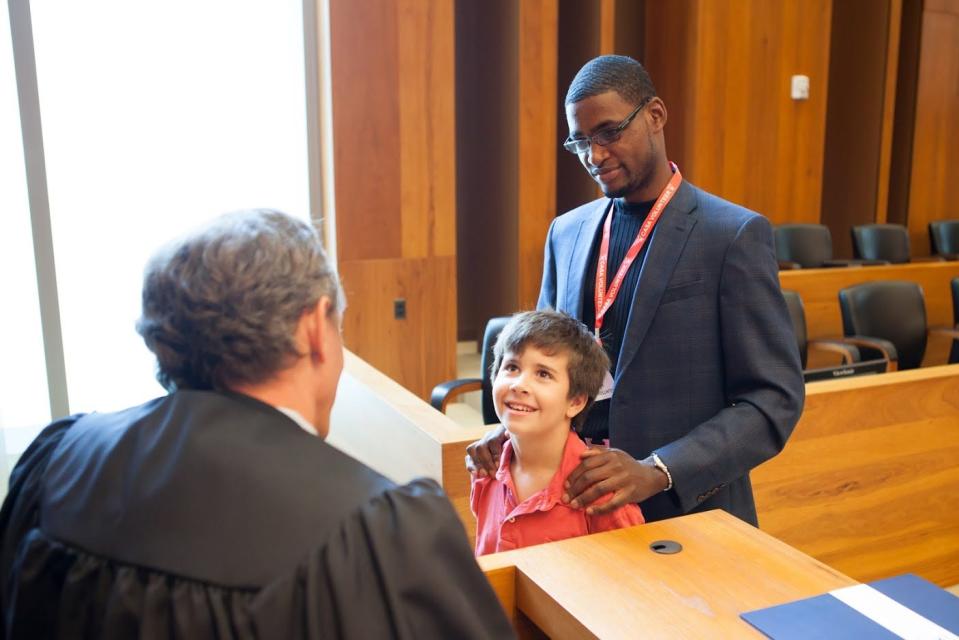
(553, 332)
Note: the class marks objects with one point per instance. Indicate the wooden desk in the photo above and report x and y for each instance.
(819, 289)
(611, 585)
(869, 480)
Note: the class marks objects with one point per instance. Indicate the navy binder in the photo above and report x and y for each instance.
(831, 616)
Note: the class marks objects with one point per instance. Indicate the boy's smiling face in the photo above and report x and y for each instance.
(531, 392)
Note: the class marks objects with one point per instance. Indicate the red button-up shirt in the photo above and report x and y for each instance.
(502, 524)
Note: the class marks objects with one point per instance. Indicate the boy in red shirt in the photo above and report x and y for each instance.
(547, 370)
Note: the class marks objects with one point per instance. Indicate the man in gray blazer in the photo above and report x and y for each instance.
(706, 381)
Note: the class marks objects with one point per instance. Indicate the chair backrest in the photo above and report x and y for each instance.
(798, 315)
(890, 309)
(493, 329)
(954, 352)
(944, 237)
(881, 242)
(810, 245)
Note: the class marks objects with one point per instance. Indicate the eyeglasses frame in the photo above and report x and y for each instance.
(611, 135)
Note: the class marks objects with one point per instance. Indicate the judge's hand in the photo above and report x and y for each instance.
(482, 457)
(602, 471)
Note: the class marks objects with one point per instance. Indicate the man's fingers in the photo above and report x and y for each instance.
(619, 499)
(590, 459)
(594, 492)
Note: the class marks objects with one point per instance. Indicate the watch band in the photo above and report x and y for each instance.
(662, 467)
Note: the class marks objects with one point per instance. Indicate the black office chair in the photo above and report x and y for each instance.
(944, 238)
(884, 242)
(852, 364)
(954, 352)
(809, 246)
(445, 392)
(889, 310)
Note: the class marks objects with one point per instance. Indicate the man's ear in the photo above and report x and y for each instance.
(576, 405)
(317, 325)
(656, 112)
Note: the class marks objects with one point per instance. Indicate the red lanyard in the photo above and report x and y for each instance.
(604, 299)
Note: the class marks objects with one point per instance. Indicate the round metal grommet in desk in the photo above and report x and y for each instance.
(665, 547)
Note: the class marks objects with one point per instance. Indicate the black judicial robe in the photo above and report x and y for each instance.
(213, 515)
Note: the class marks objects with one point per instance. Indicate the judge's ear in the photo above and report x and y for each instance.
(576, 404)
(318, 322)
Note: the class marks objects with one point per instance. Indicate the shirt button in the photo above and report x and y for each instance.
(512, 519)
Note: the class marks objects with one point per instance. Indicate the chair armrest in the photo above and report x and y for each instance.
(848, 351)
(886, 348)
(446, 391)
(786, 265)
(945, 331)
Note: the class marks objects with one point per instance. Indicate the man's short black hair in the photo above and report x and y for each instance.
(621, 74)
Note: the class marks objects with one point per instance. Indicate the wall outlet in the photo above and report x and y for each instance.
(399, 309)
(800, 88)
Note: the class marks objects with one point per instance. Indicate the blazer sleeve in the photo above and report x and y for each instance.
(762, 372)
(547, 289)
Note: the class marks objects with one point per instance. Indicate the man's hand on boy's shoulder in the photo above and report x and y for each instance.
(603, 471)
(482, 457)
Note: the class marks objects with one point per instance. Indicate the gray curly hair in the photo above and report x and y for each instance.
(221, 305)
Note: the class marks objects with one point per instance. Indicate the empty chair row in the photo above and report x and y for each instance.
(805, 246)
(884, 329)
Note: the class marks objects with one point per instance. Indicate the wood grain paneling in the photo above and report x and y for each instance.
(538, 28)
(819, 290)
(610, 585)
(867, 482)
(418, 351)
(934, 190)
(366, 144)
(394, 149)
(426, 122)
(859, 117)
(743, 137)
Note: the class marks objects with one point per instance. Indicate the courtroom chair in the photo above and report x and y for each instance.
(884, 242)
(954, 352)
(809, 246)
(944, 238)
(889, 310)
(445, 392)
(852, 363)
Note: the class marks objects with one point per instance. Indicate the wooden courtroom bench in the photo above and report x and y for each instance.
(819, 290)
(612, 585)
(869, 481)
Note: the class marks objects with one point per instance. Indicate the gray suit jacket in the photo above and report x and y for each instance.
(708, 375)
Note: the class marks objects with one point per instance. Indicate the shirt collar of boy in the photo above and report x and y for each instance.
(550, 496)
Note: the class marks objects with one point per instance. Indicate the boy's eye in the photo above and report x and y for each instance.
(509, 366)
(543, 373)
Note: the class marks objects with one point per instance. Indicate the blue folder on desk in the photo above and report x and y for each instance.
(860, 612)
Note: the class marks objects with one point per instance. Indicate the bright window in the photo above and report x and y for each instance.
(157, 117)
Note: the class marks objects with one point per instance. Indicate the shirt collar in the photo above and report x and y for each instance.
(553, 493)
(298, 419)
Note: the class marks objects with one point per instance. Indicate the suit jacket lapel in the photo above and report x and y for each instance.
(666, 246)
(579, 258)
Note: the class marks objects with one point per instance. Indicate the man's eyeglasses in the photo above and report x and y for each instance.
(604, 137)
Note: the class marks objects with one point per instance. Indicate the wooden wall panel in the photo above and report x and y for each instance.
(418, 351)
(366, 147)
(934, 191)
(394, 150)
(723, 69)
(859, 117)
(538, 29)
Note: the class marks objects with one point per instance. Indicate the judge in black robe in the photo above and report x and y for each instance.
(218, 511)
